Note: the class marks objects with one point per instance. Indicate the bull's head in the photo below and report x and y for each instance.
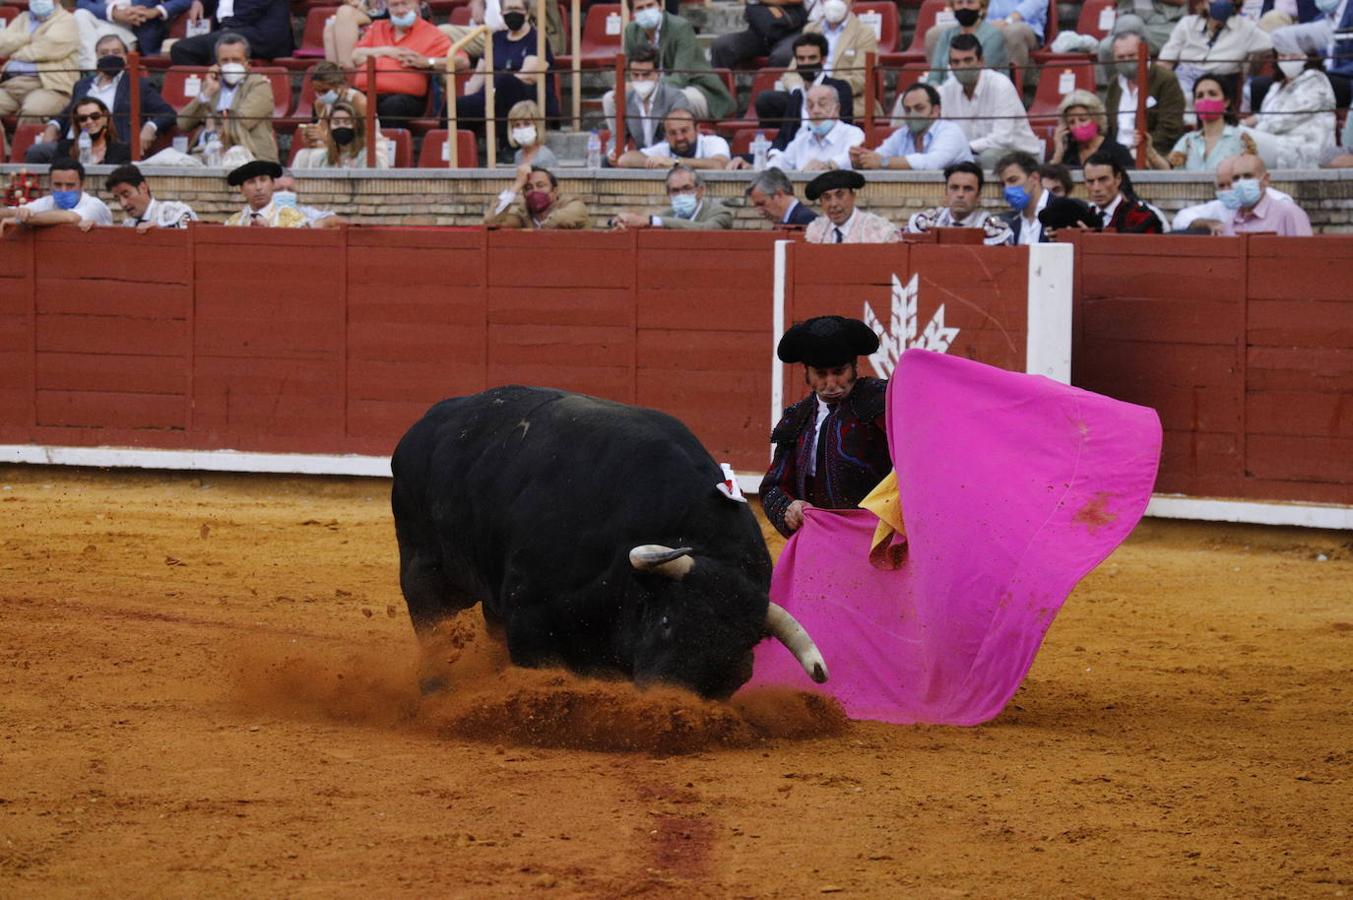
(713, 579)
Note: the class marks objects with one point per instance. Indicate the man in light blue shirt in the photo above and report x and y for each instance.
(925, 141)
(1022, 23)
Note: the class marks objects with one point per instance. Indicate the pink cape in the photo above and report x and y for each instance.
(1013, 487)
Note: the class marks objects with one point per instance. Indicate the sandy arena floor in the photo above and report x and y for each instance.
(206, 692)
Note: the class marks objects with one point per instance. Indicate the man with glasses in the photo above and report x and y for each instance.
(690, 209)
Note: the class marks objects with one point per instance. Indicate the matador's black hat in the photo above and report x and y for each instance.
(827, 341)
(253, 169)
(830, 181)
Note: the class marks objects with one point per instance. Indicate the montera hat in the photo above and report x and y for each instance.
(1065, 212)
(253, 169)
(830, 181)
(827, 342)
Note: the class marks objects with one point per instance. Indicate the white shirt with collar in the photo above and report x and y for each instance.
(164, 214)
(706, 146)
(993, 117)
(833, 36)
(1106, 213)
(1127, 111)
(89, 208)
(836, 234)
(1031, 231)
(224, 10)
(823, 411)
(808, 147)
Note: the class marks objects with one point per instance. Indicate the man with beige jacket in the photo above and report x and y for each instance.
(43, 50)
(234, 104)
(848, 40)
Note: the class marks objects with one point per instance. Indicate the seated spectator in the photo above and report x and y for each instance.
(841, 222)
(925, 141)
(772, 26)
(67, 204)
(1110, 192)
(143, 24)
(1056, 179)
(649, 99)
(683, 145)
(405, 47)
(343, 29)
(1255, 210)
(824, 143)
(690, 209)
(1211, 217)
(849, 41)
(1217, 138)
(962, 199)
(985, 105)
(771, 193)
(490, 13)
(43, 49)
(1328, 36)
(534, 202)
(256, 183)
(91, 117)
(342, 144)
(265, 24)
(331, 85)
(526, 132)
(1154, 21)
(517, 72)
(680, 60)
(1021, 23)
(129, 188)
(1164, 99)
(1294, 128)
(234, 105)
(787, 109)
(111, 86)
(1081, 132)
(1216, 42)
(1025, 195)
(971, 16)
(284, 194)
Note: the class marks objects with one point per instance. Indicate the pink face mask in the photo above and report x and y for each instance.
(1209, 108)
(1085, 132)
(537, 201)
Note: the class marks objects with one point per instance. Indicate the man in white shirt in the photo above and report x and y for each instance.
(683, 144)
(824, 142)
(985, 105)
(129, 188)
(67, 204)
(962, 201)
(925, 141)
(1217, 42)
(1022, 188)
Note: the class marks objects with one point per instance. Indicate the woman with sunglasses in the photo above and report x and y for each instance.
(91, 117)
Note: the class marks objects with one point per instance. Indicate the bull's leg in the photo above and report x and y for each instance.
(431, 598)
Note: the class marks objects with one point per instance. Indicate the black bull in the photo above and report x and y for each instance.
(594, 534)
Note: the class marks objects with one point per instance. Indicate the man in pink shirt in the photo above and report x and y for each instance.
(1257, 210)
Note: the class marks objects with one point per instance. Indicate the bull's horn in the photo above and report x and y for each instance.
(787, 630)
(674, 562)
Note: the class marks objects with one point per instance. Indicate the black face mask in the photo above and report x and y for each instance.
(343, 136)
(809, 73)
(967, 17)
(514, 20)
(111, 65)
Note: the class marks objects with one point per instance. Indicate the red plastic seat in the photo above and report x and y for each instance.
(467, 150)
(8, 14)
(460, 15)
(602, 39)
(24, 137)
(763, 81)
(1094, 13)
(883, 18)
(1055, 82)
(926, 17)
(312, 37)
(403, 146)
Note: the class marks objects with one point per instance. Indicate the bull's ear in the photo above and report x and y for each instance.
(674, 562)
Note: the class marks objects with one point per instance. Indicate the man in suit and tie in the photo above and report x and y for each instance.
(772, 194)
(842, 223)
(265, 23)
(1024, 193)
(691, 210)
(1118, 210)
(235, 104)
(787, 109)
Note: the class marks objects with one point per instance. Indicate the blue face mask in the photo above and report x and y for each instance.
(1221, 10)
(684, 205)
(649, 18)
(1228, 198)
(823, 128)
(1017, 197)
(1327, 6)
(284, 199)
(66, 199)
(1247, 189)
(328, 98)
(41, 9)
(404, 21)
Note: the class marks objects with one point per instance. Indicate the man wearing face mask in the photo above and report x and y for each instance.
(110, 85)
(1024, 194)
(234, 105)
(681, 62)
(970, 16)
(848, 41)
(43, 49)
(284, 194)
(535, 202)
(266, 24)
(257, 184)
(144, 212)
(405, 47)
(824, 141)
(649, 100)
(67, 204)
(690, 209)
(683, 145)
(985, 105)
(1211, 217)
(1216, 41)
(787, 109)
(925, 141)
(1164, 99)
(1254, 210)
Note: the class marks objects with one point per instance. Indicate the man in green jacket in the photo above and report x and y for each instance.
(680, 58)
(1164, 99)
(690, 208)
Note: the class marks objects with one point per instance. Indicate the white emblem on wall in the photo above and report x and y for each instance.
(902, 329)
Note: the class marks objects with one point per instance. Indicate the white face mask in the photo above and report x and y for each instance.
(525, 136)
(232, 73)
(1291, 68)
(643, 88)
(834, 11)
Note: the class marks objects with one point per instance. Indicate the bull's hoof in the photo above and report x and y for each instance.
(435, 685)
